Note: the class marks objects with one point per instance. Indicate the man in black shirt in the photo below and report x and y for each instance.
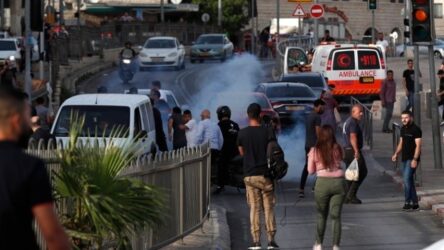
(252, 142)
(410, 148)
(327, 37)
(312, 129)
(25, 190)
(40, 133)
(229, 150)
(353, 144)
(409, 83)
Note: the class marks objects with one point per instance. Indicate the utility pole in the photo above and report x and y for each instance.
(278, 22)
(253, 28)
(316, 30)
(2, 13)
(435, 113)
(61, 15)
(162, 11)
(219, 13)
(28, 80)
(373, 26)
(417, 89)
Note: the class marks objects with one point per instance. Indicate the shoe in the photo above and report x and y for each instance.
(301, 194)
(335, 247)
(407, 207)
(317, 247)
(219, 190)
(272, 245)
(355, 201)
(415, 207)
(255, 246)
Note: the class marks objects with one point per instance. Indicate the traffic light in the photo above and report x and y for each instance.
(422, 29)
(36, 15)
(407, 33)
(372, 5)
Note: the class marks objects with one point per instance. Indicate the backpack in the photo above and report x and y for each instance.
(277, 166)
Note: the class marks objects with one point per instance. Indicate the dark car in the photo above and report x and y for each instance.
(238, 103)
(211, 46)
(316, 81)
(290, 100)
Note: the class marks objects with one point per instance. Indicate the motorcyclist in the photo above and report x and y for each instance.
(229, 149)
(127, 70)
(128, 52)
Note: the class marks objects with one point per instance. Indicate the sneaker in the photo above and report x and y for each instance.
(301, 194)
(335, 247)
(355, 201)
(407, 207)
(415, 207)
(272, 245)
(255, 246)
(317, 247)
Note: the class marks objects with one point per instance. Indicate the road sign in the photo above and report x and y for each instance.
(316, 11)
(300, 1)
(299, 11)
(205, 17)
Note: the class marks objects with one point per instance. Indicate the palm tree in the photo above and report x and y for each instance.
(97, 204)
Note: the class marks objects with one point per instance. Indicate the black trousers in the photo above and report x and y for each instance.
(304, 174)
(349, 157)
(214, 164)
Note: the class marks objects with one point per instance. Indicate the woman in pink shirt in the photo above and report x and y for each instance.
(325, 159)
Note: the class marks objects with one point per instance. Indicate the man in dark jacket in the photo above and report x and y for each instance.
(160, 134)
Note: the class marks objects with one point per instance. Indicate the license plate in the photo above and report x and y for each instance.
(157, 59)
(367, 79)
(294, 108)
(205, 54)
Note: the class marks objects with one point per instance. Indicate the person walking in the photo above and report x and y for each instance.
(25, 190)
(190, 127)
(382, 43)
(409, 83)
(353, 145)
(410, 148)
(229, 150)
(327, 37)
(324, 160)
(388, 99)
(328, 116)
(176, 132)
(312, 128)
(252, 142)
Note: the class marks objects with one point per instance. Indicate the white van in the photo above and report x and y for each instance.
(353, 70)
(103, 112)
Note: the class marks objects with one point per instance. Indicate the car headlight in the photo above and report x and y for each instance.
(12, 58)
(173, 54)
(141, 54)
(126, 61)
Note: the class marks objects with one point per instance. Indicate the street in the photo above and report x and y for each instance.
(379, 223)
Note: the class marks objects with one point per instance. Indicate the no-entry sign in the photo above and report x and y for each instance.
(316, 11)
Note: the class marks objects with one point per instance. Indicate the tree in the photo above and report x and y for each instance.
(233, 12)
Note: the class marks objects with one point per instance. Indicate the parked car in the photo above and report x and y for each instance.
(10, 49)
(211, 47)
(438, 49)
(238, 103)
(316, 81)
(105, 112)
(290, 100)
(162, 52)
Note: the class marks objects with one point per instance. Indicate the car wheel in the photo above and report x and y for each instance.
(437, 54)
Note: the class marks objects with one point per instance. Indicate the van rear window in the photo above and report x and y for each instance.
(344, 60)
(368, 59)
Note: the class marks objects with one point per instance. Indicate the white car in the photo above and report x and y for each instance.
(166, 95)
(162, 52)
(10, 49)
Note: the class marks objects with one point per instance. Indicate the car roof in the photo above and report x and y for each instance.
(107, 100)
(13, 39)
(302, 74)
(258, 94)
(213, 34)
(148, 91)
(284, 84)
(162, 38)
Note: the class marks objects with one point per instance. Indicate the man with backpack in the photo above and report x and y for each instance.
(253, 142)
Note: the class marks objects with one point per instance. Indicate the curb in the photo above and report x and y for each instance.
(428, 199)
(213, 235)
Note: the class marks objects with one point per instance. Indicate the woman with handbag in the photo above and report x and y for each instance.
(325, 159)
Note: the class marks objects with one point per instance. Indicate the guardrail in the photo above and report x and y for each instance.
(183, 174)
(366, 122)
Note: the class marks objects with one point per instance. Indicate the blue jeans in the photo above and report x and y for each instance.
(409, 183)
(410, 100)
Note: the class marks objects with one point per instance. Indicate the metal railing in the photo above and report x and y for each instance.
(184, 176)
(366, 122)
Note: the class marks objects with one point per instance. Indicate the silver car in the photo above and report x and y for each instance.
(438, 49)
(211, 47)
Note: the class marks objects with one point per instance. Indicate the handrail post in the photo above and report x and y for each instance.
(181, 198)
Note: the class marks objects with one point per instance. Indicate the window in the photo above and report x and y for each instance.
(137, 122)
(437, 10)
(393, 1)
(344, 60)
(368, 59)
(7, 45)
(311, 81)
(171, 102)
(289, 91)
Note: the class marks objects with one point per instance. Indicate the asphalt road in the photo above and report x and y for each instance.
(379, 223)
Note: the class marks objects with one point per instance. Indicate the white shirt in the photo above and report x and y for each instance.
(191, 133)
(383, 44)
(210, 131)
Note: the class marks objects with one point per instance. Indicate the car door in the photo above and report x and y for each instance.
(141, 126)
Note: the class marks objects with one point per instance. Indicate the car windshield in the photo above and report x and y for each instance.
(160, 44)
(311, 81)
(99, 120)
(241, 102)
(210, 40)
(7, 45)
(439, 42)
(289, 91)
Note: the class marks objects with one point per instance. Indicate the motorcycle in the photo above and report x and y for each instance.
(126, 69)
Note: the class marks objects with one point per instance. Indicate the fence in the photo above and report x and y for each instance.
(366, 122)
(184, 175)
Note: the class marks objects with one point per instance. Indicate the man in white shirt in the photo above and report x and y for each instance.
(382, 43)
(190, 128)
(209, 131)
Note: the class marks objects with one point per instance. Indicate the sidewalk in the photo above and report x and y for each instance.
(431, 192)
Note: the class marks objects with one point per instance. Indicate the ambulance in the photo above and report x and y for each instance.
(351, 70)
